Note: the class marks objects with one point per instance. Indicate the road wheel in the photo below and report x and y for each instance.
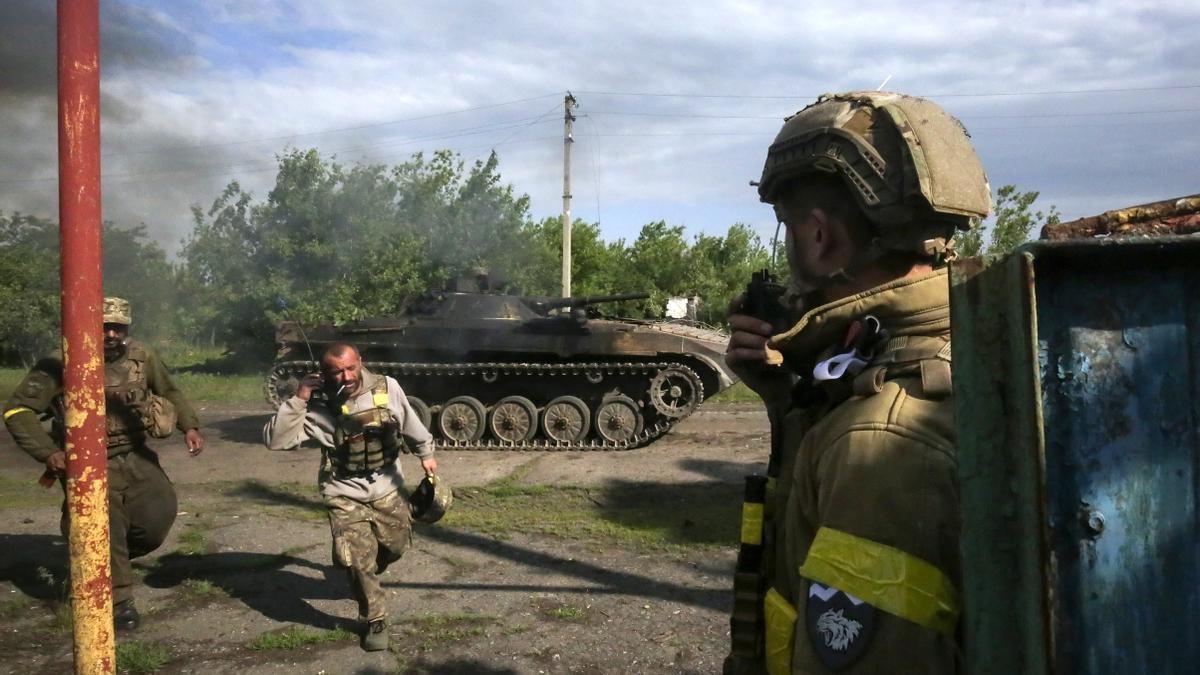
(462, 419)
(618, 419)
(422, 410)
(513, 419)
(566, 420)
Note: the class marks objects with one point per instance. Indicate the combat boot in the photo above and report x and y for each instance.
(376, 637)
(125, 616)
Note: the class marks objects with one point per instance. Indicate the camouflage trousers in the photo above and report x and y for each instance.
(367, 537)
(141, 509)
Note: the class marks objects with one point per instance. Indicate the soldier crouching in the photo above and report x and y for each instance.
(360, 419)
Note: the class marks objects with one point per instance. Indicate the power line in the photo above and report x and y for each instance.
(1083, 114)
(524, 123)
(233, 172)
(338, 129)
(631, 113)
(595, 144)
(776, 97)
(521, 130)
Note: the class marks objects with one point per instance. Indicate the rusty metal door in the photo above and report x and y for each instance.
(1077, 390)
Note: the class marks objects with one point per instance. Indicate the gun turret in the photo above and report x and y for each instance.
(543, 305)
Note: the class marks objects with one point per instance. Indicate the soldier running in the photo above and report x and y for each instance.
(361, 420)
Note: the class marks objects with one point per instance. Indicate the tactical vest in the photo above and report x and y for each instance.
(367, 440)
(127, 396)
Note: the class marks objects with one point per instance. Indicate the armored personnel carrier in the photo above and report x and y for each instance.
(488, 370)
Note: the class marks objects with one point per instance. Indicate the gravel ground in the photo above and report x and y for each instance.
(248, 566)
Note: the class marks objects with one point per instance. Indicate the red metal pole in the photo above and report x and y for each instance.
(83, 375)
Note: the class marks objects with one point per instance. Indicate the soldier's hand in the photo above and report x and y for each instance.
(308, 385)
(430, 465)
(746, 355)
(194, 440)
(57, 462)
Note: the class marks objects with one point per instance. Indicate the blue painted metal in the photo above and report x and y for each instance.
(1115, 390)
(1119, 354)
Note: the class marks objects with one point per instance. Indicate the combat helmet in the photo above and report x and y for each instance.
(909, 164)
(430, 500)
(117, 310)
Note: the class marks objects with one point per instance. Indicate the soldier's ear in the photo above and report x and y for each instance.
(822, 236)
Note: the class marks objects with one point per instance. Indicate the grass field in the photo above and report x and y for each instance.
(198, 387)
(736, 394)
(204, 388)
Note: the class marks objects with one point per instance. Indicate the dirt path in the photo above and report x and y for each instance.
(550, 562)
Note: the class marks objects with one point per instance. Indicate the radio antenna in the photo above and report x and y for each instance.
(299, 326)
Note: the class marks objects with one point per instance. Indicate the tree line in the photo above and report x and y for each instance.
(336, 243)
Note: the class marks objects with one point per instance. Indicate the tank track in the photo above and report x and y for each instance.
(285, 370)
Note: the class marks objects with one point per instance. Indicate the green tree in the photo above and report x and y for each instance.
(595, 264)
(1013, 221)
(133, 267)
(136, 268)
(336, 244)
(718, 268)
(29, 280)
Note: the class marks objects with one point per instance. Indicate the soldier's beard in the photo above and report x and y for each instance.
(801, 294)
(113, 349)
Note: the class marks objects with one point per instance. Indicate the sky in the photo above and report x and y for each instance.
(1094, 104)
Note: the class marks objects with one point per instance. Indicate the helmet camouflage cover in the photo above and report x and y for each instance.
(117, 310)
(430, 500)
(909, 164)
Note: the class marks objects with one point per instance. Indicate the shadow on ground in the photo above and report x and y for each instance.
(260, 581)
(263, 493)
(36, 564)
(598, 580)
(448, 667)
(245, 428)
(687, 514)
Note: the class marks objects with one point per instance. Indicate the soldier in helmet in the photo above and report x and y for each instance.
(860, 559)
(140, 400)
(361, 420)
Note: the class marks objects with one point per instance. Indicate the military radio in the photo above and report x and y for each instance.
(763, 301)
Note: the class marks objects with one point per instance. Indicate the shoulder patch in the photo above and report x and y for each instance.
(840, 626)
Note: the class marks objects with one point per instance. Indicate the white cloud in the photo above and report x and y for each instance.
(239, 71)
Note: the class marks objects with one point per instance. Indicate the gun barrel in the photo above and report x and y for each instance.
(583, 300)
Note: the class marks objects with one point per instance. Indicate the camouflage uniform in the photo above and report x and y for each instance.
(141, 500)
(367, 537)
(370, 521)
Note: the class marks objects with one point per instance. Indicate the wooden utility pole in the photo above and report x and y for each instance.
(568, 140)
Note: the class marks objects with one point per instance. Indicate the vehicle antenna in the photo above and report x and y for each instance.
(299, 326)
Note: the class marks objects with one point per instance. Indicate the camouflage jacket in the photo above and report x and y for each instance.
(866, 506)
(39, 397)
